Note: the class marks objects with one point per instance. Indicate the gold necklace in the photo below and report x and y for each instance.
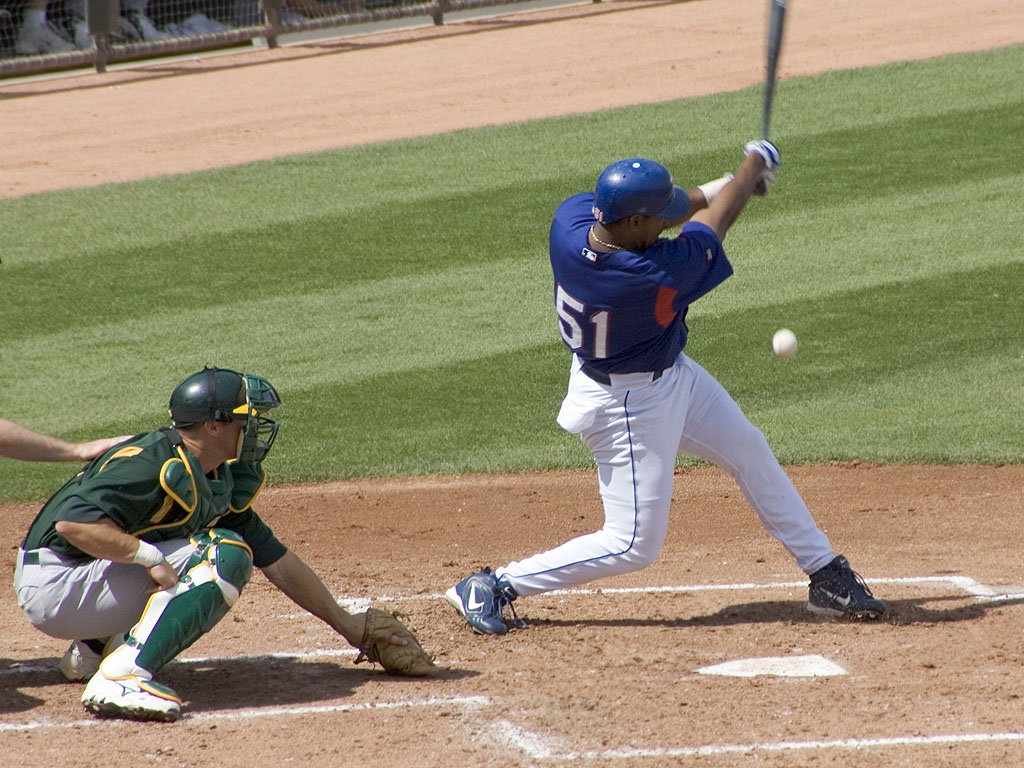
(599, 241)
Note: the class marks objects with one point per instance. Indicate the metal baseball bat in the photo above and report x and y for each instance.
(775, 22)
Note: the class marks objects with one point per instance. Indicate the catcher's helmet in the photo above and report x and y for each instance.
(638, 187)
(219, 394)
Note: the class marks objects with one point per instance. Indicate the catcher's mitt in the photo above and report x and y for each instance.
(409, 659)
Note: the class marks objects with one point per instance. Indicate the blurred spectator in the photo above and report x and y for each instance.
(186, 18)
(136, 13)
(134, 24)
(38, 34)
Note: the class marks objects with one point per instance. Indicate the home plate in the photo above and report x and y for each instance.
(780, 666)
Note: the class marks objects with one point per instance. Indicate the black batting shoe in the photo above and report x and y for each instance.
(481, 599)
(837, 590)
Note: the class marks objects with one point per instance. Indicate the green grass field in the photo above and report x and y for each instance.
(398, 295)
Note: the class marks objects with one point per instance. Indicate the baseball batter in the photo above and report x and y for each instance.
(147, 548)
(636, 400)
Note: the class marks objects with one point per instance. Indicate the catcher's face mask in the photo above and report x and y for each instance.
(258, 435)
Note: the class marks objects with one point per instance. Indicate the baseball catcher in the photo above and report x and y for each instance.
(150, 545)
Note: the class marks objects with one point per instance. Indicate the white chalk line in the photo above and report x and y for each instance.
(466, 702)
(21, 669)
(539, 748)
(963, 583)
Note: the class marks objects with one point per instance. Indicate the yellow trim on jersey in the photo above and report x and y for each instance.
(164, 509)
(131, 450)
(252, 498)
(172, 495)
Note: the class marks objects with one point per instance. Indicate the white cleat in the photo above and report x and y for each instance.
(131, 698)
(80, 662)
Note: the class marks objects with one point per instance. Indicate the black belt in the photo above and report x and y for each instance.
(603, 378)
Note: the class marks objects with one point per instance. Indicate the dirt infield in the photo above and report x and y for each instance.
(603, 677)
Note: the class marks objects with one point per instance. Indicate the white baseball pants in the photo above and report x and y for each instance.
(635, 427)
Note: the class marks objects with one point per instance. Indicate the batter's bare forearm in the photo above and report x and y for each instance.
(698, 202)
(733, 198)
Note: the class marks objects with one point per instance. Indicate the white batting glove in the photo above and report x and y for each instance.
(767, 150)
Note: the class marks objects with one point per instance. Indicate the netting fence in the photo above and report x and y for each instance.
(48, 35)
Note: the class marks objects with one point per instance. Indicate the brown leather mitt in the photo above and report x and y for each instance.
(409, 659)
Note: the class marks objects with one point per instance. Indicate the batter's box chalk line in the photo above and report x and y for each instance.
(537, 747)
(460, 702)
(964, 584)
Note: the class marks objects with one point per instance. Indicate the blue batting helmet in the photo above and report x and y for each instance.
(638, 187)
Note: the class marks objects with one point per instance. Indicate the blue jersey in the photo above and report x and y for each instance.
(625, 312)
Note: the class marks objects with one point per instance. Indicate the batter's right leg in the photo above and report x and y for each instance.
(635, 450)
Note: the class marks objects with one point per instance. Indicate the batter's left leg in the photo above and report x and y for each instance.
(716, 430)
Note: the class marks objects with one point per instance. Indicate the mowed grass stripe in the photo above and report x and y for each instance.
(696, 136)
(399, 294)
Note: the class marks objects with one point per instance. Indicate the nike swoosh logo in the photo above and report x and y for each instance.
(473, 604)
(844, 601)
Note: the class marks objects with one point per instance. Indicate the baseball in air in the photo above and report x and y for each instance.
(784, 342)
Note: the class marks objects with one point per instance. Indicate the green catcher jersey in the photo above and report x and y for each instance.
(154, 488)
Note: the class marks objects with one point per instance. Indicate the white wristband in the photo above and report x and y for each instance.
(712, 188)
(147, 555)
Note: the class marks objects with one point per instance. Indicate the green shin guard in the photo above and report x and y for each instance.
(175, 618)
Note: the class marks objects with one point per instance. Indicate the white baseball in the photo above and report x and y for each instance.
(784, 342)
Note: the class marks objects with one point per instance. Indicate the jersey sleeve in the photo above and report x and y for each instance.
(694, 263)
(126, 488)
(267, 549)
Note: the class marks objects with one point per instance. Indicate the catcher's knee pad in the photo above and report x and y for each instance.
(221, 556)
(175, 618)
